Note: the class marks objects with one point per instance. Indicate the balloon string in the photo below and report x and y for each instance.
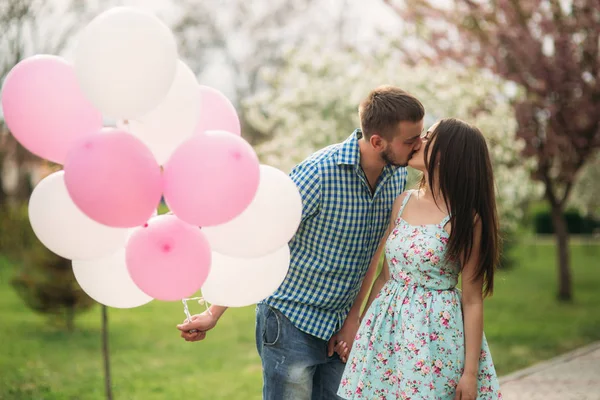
(127, 125)
(186, 310)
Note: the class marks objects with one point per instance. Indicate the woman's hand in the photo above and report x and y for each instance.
(467, 387)
(342, 341)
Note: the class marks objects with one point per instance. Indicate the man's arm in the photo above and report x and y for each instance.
(307, 179)
(201, 323)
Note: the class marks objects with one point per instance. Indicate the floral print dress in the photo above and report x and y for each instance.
(410, 344)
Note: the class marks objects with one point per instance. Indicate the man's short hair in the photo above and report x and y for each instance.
(385, 107)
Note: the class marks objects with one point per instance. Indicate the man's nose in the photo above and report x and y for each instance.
(418, 144)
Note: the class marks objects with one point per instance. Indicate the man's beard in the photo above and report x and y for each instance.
(387, 157)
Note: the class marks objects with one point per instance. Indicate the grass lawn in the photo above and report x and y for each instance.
(524, 324)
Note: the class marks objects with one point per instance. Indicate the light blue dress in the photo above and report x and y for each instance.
(410, 344)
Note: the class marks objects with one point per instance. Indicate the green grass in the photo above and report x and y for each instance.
(149, 359)
(524, 324)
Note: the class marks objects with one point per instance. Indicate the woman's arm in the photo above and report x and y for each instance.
(352, 322)
(381, 280)
(367, 284)
(472, 304)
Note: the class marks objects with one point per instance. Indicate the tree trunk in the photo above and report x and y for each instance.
(2, 192)
(3, 195)
(106, 354)
(565, 290)
(24, 187)
(70, 317)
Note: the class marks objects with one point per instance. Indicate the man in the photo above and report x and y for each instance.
(348, 190)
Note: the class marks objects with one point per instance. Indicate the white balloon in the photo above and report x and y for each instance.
(239, 282)
(63, 228)
(174, 120)
(107, 281)
(268, 223)
(125, 62)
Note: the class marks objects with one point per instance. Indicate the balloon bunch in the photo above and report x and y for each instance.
(230, 219)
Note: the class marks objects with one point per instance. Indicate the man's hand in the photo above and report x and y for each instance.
(201, 323)
(342, 341)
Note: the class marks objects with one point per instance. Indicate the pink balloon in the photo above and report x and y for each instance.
(114, 179)
(216, 112)
(44, 107)
(211, 178)
(168, 259)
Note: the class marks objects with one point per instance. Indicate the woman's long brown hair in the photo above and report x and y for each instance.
(461, 162)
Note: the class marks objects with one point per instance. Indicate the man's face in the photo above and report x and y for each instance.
(418, 159)
(406, 140)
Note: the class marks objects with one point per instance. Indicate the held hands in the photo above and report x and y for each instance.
(201, 323)
(342, 342)
(467, 387)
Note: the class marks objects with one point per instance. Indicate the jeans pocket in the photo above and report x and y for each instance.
(272, 328)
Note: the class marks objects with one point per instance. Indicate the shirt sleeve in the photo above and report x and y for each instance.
(308, 180)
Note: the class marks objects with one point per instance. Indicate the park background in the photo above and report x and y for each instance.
(527, 73)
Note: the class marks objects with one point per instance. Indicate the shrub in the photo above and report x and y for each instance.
(576, 223)
(42, 279)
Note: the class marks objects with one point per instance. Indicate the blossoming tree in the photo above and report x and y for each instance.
(551, 49)
(312, 102)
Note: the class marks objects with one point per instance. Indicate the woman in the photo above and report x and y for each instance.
(421, 338)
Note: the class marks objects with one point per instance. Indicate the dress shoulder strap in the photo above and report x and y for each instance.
(445, 221)
(404, 202)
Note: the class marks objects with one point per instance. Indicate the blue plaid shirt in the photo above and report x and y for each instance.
(342, 224)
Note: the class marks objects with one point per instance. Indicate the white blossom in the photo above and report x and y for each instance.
(313, 102)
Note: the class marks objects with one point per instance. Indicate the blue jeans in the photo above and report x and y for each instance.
(295, 364)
